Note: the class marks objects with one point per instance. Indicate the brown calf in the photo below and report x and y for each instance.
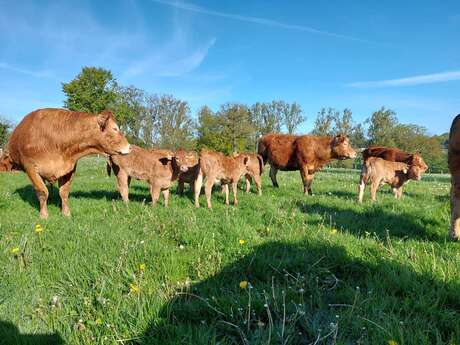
(381, 171)
(254, 172)
(190, 175)
(158, 167)
(216, 167)
(47, 144)
(454, 168)
(306, 153)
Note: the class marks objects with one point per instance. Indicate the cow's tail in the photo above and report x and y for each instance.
(262, 150)
(261, 164)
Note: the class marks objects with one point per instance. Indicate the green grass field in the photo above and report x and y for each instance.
(321, 269)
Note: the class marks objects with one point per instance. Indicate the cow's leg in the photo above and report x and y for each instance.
(235, 191)
(40, 190)
(64, 188)
(258, 182)
(454, 232)
(166, 196)
(362, 186)
(208, 190)
(225, 188)
(180, 187)
(154, 193)
(248, 182)
(197, 189)
(374, 186)
(129, 180)
(273, 172)
(122, 185)
(306, 179)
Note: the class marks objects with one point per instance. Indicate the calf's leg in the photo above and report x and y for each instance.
(208, 190)
(40, 190)
(235, 192)
(258, 182)
(64, 188)
(273, 172)
(197, 188)
(180, 187)
(154, 193)
(374, 186)
(166, 196)
(248, 182)
(454, 232)
(122, 185)
(307, 180)
(225, 189)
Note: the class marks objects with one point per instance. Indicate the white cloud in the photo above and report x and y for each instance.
(255, 20)
(409, 81)
(36, 74)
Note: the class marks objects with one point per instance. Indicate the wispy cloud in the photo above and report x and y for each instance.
(255, 20)
(36, 74)
(409, 81)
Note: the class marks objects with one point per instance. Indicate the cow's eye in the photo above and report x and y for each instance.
(115, 129)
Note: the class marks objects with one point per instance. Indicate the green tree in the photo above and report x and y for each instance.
(93, 90)
(210, 130)
(324, 122)
(381, 127)
(237, 128)
(174, 124)
(5, 127)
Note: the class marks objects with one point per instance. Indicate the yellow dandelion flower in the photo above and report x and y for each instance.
(142, 267)
(15, 250)
(134, 289)
(333, 231)
(242, 242)
(38, 229)
(392, 342)
(98, 322)
(243, 284)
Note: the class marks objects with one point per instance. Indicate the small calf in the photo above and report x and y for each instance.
(158, 167)
(380, 171)
(254, 172)
(190, 175)
(216, 167)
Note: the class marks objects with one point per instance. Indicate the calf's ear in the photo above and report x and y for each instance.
(164, 160)
(103, 118)
(246, 160)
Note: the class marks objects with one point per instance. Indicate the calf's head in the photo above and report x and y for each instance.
(417, 168)
(341, 147)
(110, 137)
(184, 160)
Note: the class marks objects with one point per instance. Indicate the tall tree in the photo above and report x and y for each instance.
(174, 123)
(324, 122)
(237, 128)
(381, 127)
(265, 118)
(210, 130)
(5, 127)
(92, 90)
(292, 115)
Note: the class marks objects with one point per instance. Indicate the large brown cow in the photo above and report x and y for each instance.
(47, 144)
(216, 167)
(454, 168)
(158, 167)
(306, 153)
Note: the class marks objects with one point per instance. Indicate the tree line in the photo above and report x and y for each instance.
(162, 120)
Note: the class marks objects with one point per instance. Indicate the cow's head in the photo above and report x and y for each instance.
(185, 160)
(111, 138)
(417, 168)
(341, 147)
(6, 164)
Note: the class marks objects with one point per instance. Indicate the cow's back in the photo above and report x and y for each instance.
(278, 150)
(387, 153)
(454, 147)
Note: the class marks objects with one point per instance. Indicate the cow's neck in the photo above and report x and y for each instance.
(86, 143)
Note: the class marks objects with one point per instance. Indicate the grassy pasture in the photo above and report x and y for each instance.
(320, 269)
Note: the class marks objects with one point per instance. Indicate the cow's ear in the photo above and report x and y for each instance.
(103, 118)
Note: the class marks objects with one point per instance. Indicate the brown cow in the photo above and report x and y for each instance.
(395, 155)
(216, 167)
(380, 171)
(454, 168)
(158, 167)
(306, 153)
(47, 144)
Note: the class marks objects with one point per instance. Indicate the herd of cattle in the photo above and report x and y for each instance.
(47, 144)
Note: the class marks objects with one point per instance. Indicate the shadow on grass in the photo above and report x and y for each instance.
(375, 219)
(27, 193)
(9, 335)
(310, 292)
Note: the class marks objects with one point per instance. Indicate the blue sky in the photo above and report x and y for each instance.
(404, 55)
